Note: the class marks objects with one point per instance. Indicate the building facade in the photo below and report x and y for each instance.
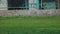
(29, 4)
(29, 7)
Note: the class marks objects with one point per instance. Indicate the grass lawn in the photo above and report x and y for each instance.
(30, 25)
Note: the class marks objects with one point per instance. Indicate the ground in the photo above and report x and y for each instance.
(30, 25)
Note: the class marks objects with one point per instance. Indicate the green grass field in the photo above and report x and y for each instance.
(30, 25)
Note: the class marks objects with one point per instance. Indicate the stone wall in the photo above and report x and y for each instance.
(29, 13)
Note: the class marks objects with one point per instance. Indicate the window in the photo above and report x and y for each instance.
(48, 4)
(18, 4)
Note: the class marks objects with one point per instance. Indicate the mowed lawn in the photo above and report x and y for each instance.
(30, 25)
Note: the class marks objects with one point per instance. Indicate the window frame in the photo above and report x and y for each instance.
(25, 6)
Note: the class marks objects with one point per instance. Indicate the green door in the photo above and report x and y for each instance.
(37, 4)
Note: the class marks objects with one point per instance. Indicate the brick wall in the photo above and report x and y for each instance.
(31, 13)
